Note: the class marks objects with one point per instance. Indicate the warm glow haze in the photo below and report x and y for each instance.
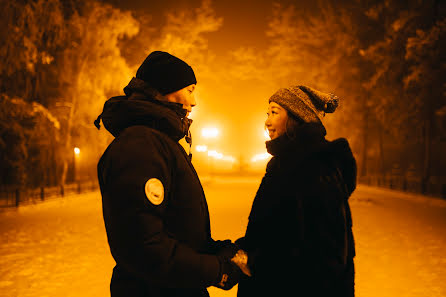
(210, 132)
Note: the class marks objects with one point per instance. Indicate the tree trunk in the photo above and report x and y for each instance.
(364, 142)
(68, 155)
(73, 102)
(427, 155)
(381, 152)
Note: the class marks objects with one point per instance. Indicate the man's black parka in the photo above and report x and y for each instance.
(299, 237)
(165, 249)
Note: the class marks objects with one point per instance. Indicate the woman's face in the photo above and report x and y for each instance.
(276, 121)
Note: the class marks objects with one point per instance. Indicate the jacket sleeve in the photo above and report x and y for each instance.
(136, 232)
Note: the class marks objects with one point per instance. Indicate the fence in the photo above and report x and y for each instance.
(435, 187)
(14, 197)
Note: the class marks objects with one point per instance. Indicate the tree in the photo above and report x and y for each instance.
(33, 32)
(28, 134)
(183, 35)
(65, 55)
(427, 53)
(91, 68)
(407, 79)
(323, 50)
(358, 50)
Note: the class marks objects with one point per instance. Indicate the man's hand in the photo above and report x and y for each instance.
(217, 245)
(229, 272)
(229, 276)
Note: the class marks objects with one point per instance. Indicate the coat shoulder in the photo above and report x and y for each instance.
(142, 134)
(137, 145)
(138, 140)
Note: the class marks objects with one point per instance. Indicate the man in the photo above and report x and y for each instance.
(154, 207)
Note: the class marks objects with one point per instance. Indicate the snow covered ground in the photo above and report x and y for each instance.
(59, 247)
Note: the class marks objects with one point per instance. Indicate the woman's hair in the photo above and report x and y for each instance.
(292, 125)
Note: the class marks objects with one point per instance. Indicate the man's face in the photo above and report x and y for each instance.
(184, 96)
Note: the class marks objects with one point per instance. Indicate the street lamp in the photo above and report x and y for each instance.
(215, 154)
(260, 157)
(210, 132)
(77, 153)
(201, 148)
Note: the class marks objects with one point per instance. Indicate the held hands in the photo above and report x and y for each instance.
(230, 275)
(241, 257)
(233, 261)
(241, 260)
(229, 272)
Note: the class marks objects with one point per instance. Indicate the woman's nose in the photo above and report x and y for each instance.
(267, 122)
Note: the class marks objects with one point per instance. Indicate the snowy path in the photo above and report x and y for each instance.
(59, 247)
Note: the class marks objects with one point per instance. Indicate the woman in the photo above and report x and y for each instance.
(299, 238)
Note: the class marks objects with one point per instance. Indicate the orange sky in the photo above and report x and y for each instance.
(244, 22)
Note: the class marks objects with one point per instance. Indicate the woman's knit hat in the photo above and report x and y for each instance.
(305, 103)
(165, 72)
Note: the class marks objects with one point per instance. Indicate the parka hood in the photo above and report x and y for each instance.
(120, 113)
(339, 150)
(143, 105)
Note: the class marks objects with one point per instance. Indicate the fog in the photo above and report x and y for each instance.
(383, 59)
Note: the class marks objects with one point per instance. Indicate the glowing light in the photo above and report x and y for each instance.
(219, 156)
(260, 157)
(215, 154)
(77, 150)
(228, 159)
(209, 132)
(201, 148)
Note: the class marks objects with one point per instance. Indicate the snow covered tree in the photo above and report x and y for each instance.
(183, 35)
(322, 50)
(29, 134)
(32, 32)
(427, 53)
(90, 69)
(65, 55)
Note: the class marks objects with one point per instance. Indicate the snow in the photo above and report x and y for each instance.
(59, 247)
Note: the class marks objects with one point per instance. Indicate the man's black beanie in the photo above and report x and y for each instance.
(166, 73)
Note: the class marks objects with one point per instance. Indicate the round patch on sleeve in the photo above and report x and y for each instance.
(154, 191)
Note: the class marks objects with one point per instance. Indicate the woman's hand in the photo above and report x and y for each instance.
(241, 260)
